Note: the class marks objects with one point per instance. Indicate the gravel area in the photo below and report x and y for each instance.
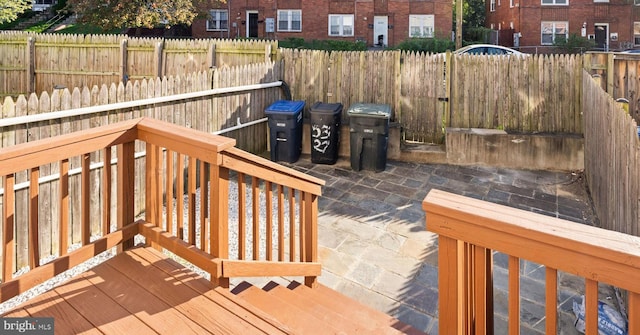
(233, 238)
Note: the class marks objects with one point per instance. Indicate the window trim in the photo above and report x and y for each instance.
(290, 20)
(424, 17)
(555, 3)
(217, 20)
(553, 35)
(492, 5)
(342, 25)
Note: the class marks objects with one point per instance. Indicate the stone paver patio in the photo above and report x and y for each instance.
(374, 247)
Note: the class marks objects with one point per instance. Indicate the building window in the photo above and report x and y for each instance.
(421, 25)
(218, 20)
(553, 30)
(636, 2)
(636, 33)
(493, 6)
(290, 20)
(555, 2)
(511, 4)
(340, 25)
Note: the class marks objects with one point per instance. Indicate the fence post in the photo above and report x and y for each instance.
(31, 65)
(158, 51)
(448, 87)
(610, 74)
(124, 77)
(267, 53)
(211, 57)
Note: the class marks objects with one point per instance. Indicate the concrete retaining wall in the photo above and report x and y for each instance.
(497, 148)
(488, 147)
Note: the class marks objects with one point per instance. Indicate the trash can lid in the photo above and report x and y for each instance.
(328, 108)
(285, 107)
(374, 110)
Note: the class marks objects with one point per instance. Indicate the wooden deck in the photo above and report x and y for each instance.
(141, 291)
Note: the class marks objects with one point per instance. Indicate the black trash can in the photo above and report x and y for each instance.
(285, 130)
(324, 126)
(369, 136)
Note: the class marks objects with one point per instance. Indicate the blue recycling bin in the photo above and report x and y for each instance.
(285, 130)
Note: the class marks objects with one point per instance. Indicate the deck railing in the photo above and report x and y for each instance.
(470, 230)
(186, 169)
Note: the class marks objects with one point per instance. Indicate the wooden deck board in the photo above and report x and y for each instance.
(147, 307)
(254, 316)
(66, 319)
(99, 309)
(172, 290)
(141, 291)
(130, 295)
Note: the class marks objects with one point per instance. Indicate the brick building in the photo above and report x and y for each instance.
(612, 24)
(373, 21)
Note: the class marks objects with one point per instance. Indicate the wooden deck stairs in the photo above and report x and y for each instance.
(319, 310)
(141, 290)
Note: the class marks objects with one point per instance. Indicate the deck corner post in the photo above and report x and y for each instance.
(219, 211)
(311, 233)
(126, 197)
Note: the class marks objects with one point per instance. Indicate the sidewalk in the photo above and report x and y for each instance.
(374, 247)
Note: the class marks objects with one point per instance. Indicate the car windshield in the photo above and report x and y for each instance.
(485, 50)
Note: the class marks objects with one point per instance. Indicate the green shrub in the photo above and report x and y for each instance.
(433, 45)
(573, 45)
(328, 45)
(476, 35)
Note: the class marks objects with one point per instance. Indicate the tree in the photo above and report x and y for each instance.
(110, 14)
(10, 9)
(473, 13)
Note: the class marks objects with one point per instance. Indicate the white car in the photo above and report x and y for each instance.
(486, 49)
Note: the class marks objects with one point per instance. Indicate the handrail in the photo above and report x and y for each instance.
(179, 161)
(18, 120)
(469, 229)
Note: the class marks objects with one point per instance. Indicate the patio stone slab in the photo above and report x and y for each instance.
(374, 246)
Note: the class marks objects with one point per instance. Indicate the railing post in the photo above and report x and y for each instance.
(8, 216)
(152, 187)
(311, 233)
(126, 197)
(219, 217)
(450, 284)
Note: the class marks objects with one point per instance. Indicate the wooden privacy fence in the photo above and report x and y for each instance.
(209, 113)
(540, 93)
(619, 75)
(612, 160)
(534, 94)
(31, 63)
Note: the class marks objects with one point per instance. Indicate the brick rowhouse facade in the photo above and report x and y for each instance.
(613, 25)
(373, 21)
